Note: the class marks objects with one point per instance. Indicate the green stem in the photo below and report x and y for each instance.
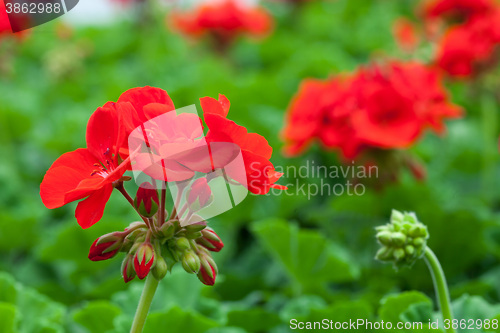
(440, 286)
(145, 302)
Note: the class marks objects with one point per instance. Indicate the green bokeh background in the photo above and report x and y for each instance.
(286, 256)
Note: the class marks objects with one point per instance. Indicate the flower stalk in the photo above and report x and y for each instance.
(440, 286)
(144, 304)
(403, 242)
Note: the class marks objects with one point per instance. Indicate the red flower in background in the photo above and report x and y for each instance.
(379, 107)
(457, 8)
(4, 20)
(319, 110)
(223, 20)
(20, 23)
(260, 173)
(468, 48)
(406, 35)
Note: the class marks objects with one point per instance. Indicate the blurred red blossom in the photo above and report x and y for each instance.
(4, 20)
(461, 9)
(380, 106)
(406, 34)
(223, 20)
(468, 48)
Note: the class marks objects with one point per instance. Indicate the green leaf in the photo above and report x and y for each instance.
(307, 256)
(39, 313)
(8, 315)
(97, 316)
(253, 320)
(8, 292)
(36, 312)
(395, 307)
(178, 320)
(474, 307)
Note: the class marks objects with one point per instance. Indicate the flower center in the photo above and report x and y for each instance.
(106, 167)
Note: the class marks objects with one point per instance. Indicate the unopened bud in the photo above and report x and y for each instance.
(128, 271)
(208, 271)
(191, 262)
(146, 200)
(403, 240)
(103, 250)
(182, 244)
(143, 260)
(160, 269)
(167, 230)
(200, 195)
(196, 227)
(210, 240)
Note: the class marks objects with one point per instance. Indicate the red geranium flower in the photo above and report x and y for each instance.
(4, 20)
(223, 20)
(319, 111)
(406, 35)
(256, 152)
(92, 172)
(379, 107)
(469, 47)
(457, 8)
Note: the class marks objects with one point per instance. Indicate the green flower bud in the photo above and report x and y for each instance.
(403, 240)
(191, 262)
(398, 238)
(396, 216)
(167, 230)
(160, 269)
(194, 235)
(182, 244)
(384, 254)
(399, 254)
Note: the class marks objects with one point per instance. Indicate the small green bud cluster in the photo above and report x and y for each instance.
(403, 240)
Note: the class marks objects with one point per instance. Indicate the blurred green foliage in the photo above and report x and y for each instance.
(286, 256)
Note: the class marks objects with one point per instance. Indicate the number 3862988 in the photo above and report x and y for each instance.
(33, 8)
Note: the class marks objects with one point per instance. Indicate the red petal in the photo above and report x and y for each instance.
(102, 133)
(89, 211)
(127, 122)
(64, 176)
(225, 103)
(140, 97)
(210, 105)
(224, 130)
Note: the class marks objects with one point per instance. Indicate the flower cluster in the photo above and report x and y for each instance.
(378, 107)
(403, 241)
(468, 48)
(191, 245)
(457, 9)
(223, 21)
(173, 151)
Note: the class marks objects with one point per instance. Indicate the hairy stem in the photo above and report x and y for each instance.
(144, 304)
(440, 286)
